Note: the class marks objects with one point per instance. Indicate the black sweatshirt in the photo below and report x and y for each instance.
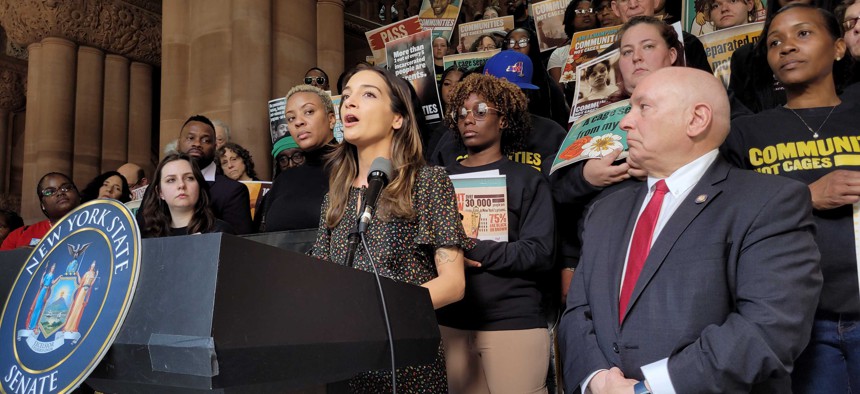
(777, 142)
(296, 196)
(504, 293)
(542, 142)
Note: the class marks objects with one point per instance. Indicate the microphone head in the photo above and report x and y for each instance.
(383, 165)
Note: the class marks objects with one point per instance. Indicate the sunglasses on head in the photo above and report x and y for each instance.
(310, 80)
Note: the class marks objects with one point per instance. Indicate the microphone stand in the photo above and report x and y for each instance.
(354, 238)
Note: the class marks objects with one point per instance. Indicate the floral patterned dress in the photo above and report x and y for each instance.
(403, 250)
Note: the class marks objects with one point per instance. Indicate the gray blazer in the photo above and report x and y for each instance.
(728, 291)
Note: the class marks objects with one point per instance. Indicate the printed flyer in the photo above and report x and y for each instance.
(482, 199)
(594, 136)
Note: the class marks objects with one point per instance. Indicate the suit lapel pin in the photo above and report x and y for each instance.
(701, 198)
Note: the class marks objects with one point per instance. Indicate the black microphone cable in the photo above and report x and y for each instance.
(384, 314)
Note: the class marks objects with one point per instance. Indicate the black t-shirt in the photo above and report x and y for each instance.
(851, 93)
(777, 142)
(220, 227)
(504, 293)
(541, 143)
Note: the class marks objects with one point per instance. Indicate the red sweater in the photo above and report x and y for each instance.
(26, 236)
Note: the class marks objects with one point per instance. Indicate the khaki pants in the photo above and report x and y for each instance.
(497, 362)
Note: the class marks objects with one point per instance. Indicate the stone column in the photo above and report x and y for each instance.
(30, 208)
(88, 115)
(57, 107)
(5, 138)
(11, 98)
(174, 70)
(210, 39)
(115, 120)
(330, 39)
(294, 43)
(16, 155)
(140, 117)
(251, 60)
(50, 142)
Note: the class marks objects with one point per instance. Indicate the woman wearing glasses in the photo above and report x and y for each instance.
(496, 338)
(578, 16)
(317, 77)
(294, 201)
(849, 13)
(57, 197)
(287, 154)
(548, 100)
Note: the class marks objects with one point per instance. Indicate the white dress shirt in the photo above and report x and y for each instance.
(209, 172)
(680, 183)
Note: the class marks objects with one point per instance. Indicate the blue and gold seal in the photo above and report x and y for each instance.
(69, 300)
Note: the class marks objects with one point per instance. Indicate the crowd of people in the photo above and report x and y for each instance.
(717, 257)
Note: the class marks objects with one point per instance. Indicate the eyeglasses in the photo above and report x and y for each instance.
(584, 11)
(479, 111)
(297, 158)
(521, 43)
(310, 80)
(850, 23)
(487, 48)
(52, 191)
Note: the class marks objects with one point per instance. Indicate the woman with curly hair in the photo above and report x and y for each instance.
(111, 184)
(484, 42)
(496, 338)
(235, 162)
(177, 201)
(415, 236)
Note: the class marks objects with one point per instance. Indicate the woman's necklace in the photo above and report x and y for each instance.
(814, 133)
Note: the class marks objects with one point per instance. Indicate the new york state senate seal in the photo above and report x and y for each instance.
(69, 300)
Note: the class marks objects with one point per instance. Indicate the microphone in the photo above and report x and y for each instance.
(377, 179)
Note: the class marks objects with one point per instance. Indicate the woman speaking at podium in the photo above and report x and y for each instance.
(415, 235)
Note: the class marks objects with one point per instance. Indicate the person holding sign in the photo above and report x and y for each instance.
(496, 338)
(415, 235)
(806, 140)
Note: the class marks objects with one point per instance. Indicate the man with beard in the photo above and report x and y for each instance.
(441, 9)
(230, 199)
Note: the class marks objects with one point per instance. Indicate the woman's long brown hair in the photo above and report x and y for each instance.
(406, 158)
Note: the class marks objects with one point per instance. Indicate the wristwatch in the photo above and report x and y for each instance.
(640, 388)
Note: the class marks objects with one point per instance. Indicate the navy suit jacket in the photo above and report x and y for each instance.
(728, 291)
(231, 203)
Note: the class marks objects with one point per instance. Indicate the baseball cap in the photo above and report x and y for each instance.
(512, 66)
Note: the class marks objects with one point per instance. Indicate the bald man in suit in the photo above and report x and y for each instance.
(705, 278)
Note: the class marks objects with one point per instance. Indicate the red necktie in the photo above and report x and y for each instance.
(641, 245)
